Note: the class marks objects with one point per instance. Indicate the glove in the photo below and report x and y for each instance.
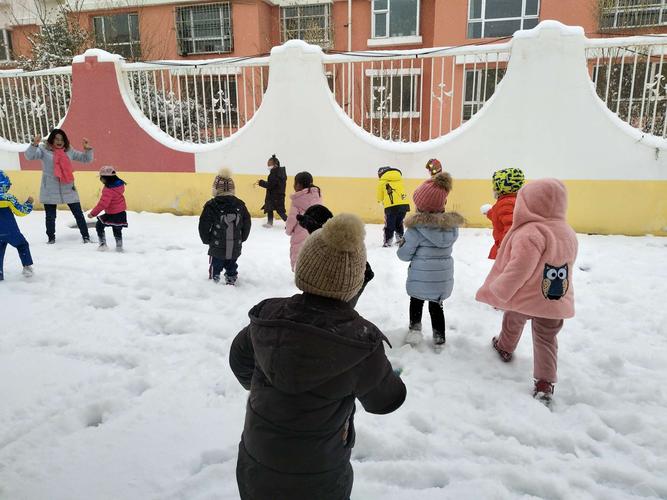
(398, 371)
(485, 208)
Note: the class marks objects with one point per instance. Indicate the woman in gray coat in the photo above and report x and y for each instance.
(57, 186)
(427, 245)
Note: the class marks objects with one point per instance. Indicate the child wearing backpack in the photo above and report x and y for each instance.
(224, 225)
(531, 279)
(391, 193)
(112, 202)
(9, 230)
(427, 245)
(506, 184)
(305, 195)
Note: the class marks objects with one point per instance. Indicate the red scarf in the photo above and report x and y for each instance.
(62, 166)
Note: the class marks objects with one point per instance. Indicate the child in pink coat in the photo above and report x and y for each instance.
(305, 195)
(532, 278)
(112, 202)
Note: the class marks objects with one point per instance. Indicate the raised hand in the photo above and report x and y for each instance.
(30, 200)
(36, 140)
(86, 144)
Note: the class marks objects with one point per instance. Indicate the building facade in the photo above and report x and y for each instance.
(168, 29)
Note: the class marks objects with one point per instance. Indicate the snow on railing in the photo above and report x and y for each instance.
(199, 101)
(630, 76)
(415, 95)
(33, 102)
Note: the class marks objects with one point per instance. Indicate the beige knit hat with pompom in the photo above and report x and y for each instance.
(223, 184)
(332, 261)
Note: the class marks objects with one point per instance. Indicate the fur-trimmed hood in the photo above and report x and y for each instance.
(440, 220)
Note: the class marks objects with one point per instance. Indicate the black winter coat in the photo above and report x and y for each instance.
(275, 186)
(305, 359)
(224, 225)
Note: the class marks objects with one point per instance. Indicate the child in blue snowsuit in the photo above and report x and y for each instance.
(9, 230)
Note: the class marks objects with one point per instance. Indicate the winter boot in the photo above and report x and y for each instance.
(230, 280)
(102, 243)
(86, 239)
(439, 338)
(119, 244)
(52, 240)
(543, 391)
(27, 271)
(216, 279)
(414, 336)
(388, 242)
(504, 355)
(267, 225)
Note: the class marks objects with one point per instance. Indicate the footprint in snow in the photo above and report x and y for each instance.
(102, 301)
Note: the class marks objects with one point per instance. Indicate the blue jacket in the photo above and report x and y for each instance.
(10, 206)
(427, 245)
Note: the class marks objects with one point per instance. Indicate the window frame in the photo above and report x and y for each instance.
(131, 44)
(415, 82)
(387, 11)
(193, 40)
(617, 10)
(327, 42)
(483, 19)
(480, 96)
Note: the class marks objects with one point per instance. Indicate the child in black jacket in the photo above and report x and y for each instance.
(224, 225)
(275, 186)
(312, 220)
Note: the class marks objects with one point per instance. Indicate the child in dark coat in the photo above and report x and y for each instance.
(224, 225)
(9, 230)
(112, 202)
(312, 220)
(306, 359)
(275, 186)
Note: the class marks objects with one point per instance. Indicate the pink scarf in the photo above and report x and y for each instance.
(62, 166)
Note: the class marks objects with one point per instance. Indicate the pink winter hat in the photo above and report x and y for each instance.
(431, 196)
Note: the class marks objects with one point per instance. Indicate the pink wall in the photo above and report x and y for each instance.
(117, 138)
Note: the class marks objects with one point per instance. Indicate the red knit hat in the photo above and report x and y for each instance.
(434, 166)
(431, 195)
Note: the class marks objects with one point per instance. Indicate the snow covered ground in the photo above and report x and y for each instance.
(115, 384)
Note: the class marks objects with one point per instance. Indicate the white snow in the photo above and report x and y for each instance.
(115, 384)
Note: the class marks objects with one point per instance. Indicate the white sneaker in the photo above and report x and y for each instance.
(28, 272)
(414, 337)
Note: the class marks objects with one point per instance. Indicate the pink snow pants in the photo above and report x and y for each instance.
(545, 344)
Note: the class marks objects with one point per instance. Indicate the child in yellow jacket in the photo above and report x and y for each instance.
(391, 193)
(9, 230)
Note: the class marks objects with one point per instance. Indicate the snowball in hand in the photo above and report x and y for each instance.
(485, 208)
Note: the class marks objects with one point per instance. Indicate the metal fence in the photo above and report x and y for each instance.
(413, 96)
(33, 103)
(630, 76)
(199, 102)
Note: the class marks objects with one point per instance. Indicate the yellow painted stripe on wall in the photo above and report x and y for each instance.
(602, 207)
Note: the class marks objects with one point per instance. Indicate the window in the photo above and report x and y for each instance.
(495, 18)
(395, 18)
(5, 45)
(204, 29)
(394, 93)
(118, 33)
(479, 87)
(632, 13)
(311, 23)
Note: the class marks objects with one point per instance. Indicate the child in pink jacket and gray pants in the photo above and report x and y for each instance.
(532, 278)
(306, 194)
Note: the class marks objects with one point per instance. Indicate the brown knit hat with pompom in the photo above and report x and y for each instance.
(431, 196)
(332, 261)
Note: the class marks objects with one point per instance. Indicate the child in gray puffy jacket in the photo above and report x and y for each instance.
(427, 245)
